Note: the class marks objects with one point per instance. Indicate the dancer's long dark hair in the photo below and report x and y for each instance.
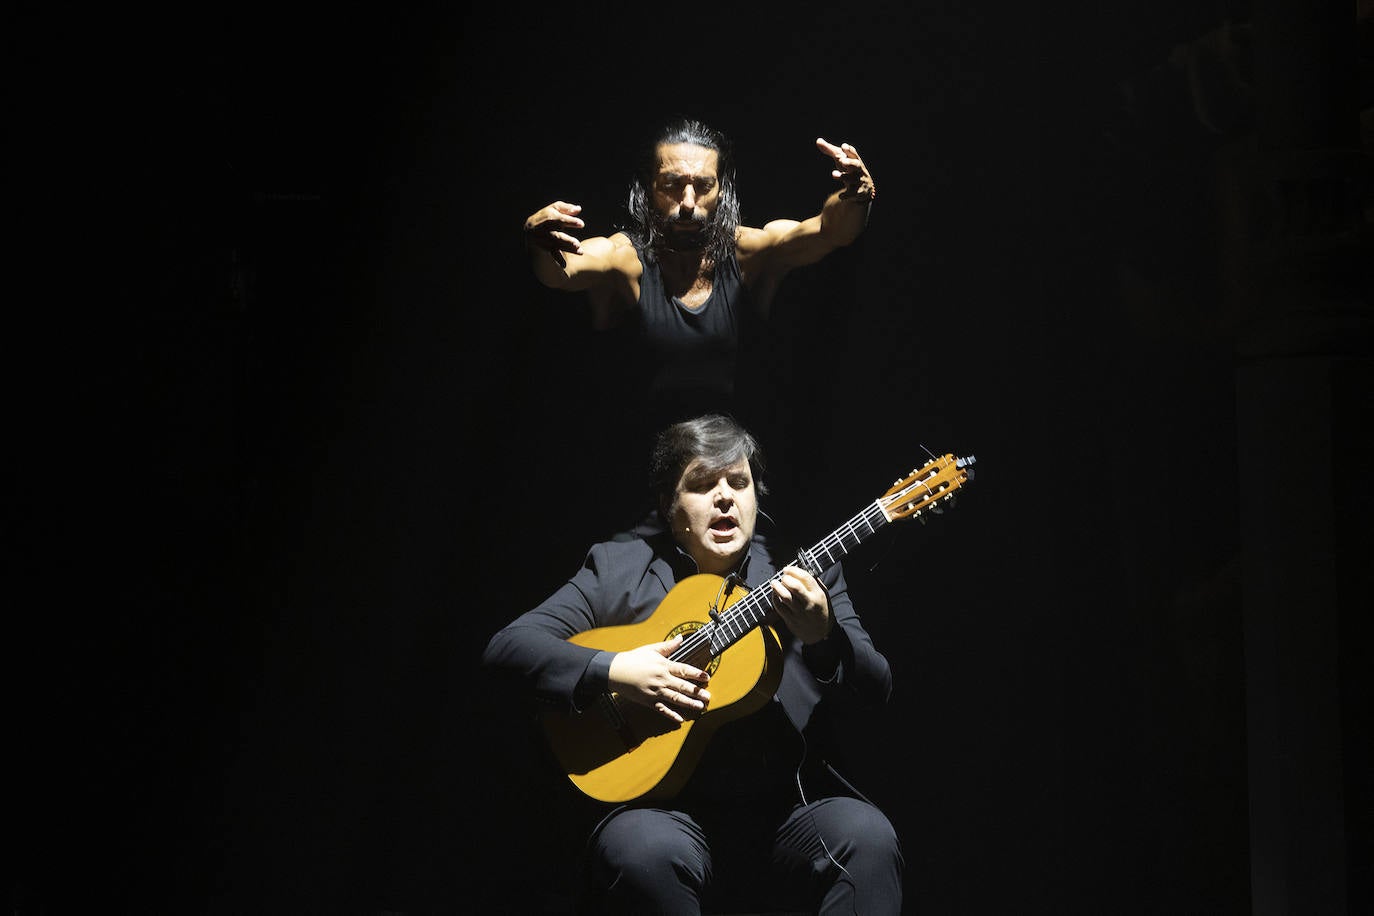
(719, 235)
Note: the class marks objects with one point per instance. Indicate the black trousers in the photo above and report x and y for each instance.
(835, 855)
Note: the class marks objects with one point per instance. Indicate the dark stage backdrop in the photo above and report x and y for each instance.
(340, 435)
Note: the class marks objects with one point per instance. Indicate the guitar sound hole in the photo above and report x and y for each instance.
(698, 656)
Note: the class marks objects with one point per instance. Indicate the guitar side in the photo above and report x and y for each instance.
(617, 751)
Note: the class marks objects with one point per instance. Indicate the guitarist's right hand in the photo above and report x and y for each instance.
(648, 677)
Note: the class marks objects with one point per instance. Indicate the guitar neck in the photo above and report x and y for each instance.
(727, 628)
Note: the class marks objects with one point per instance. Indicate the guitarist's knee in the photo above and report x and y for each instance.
(648, 860)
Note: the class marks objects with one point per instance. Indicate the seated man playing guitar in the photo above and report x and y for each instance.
(677, 674)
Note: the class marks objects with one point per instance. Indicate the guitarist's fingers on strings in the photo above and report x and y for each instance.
(649, 677)
(802, 603)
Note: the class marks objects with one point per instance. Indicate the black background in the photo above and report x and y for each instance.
(301, 431)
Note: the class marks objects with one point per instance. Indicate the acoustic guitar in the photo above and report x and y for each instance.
(619, 751)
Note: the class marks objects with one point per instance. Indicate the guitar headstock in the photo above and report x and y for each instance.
(927, 487)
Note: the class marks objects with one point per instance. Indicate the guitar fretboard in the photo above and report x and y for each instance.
(729, 627)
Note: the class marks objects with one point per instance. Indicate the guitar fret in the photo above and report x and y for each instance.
(855, 537)
(743, 617)
(756, 614)
(853, 533)
(732, 629)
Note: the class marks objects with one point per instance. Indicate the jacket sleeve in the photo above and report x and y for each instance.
(534, 652)
(847, 657)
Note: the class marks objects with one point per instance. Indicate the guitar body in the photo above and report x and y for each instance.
(618, 751)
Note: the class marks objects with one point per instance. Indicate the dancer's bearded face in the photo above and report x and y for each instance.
(686, 193)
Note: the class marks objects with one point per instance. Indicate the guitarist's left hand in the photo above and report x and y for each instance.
(803, 605)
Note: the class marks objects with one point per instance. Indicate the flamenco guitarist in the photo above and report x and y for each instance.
(760, 820)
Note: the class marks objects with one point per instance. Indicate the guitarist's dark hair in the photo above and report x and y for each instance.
(717, 439)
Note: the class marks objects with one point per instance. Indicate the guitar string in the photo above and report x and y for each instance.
(873, 518)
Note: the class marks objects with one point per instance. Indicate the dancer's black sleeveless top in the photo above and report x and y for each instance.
(692, 354)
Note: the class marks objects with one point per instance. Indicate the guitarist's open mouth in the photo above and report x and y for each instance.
(724, 525)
